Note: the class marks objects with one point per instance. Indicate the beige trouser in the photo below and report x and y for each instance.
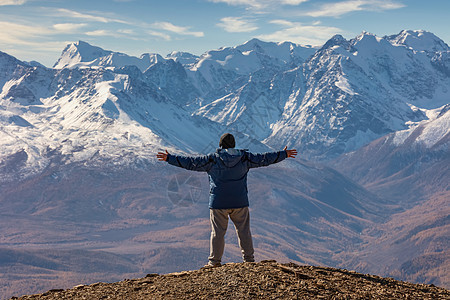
(219, 224)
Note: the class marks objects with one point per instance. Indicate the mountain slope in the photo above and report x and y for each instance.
(419, 154)
(410, 167)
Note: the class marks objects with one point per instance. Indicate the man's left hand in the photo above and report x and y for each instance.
(290, 153)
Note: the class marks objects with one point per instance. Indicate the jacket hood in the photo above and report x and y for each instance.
(231, 156)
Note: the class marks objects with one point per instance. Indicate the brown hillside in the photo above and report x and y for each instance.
(264, 280)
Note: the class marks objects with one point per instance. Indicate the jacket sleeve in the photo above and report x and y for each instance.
(194, 163)
(255, 160)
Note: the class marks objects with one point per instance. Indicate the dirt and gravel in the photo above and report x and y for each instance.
(263, 280)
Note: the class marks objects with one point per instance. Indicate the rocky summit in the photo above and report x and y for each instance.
(265, 280)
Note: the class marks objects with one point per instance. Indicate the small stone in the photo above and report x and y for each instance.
(80, 286)
(268, 261)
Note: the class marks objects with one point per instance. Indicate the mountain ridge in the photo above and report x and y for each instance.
(274, 99)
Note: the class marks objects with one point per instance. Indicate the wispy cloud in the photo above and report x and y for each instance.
(68, 27)
(62, 12)
(127, 31)
(20, 34)
(102, 32)
(299, 33)
(30, 38)
(236, 24)
(181, 30)
(158, 34)
(12, 2)
(259, 4)
(338, 9)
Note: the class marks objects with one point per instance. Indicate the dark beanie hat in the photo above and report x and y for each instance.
(227, 141)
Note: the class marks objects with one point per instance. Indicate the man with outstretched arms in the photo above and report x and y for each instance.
(227, 169)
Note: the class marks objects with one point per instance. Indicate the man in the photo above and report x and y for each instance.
(227, 169)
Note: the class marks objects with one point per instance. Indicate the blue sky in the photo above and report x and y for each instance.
(39, 30)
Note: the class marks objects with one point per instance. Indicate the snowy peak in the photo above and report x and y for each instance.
(337, 40)
(183, 58)
(220, 67)
(8, 60)
(279, 51)
(255, 54)
(79, 52)
(418, 40)
(9, 65)
(368, 41)
(285, 52)
(428, 133)
(82, 54)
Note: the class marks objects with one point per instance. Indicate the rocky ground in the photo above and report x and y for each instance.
(264, 280)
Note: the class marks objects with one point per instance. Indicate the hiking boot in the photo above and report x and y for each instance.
(210, 265)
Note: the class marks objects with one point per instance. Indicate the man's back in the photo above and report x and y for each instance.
(228, 179)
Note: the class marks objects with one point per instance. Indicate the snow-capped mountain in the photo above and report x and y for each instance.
(347, 94)
(219, 67)
(118, 100)
(418, 40)
(80, 113)
(183, 58)
(324, 102)
(82, 54)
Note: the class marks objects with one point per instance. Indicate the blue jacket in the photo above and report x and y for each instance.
(227, 170)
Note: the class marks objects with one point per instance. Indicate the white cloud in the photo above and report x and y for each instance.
(113, 33)
(177, 29)
(32, 35)
(89, 17)
(12, 2)
(340, 8)
(300, 34)
(68, 27)
(236, 24)
(293, 2)
(13, 33)
(26, 40)
(101, 32)
(260, 4)
(282, 23)
(127, 31)
(158, 34)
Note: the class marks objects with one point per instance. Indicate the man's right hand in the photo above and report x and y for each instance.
(162, 156)
(290, 153)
